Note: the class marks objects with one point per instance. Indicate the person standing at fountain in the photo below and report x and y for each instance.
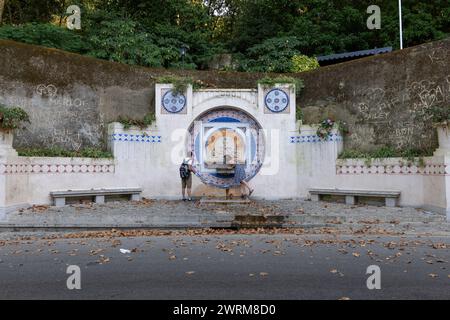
(186, 170)
(239, 179)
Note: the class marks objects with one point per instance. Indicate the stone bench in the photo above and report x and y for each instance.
(99, 194)
(390, 196)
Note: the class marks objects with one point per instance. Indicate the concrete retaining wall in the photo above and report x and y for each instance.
(72, 98)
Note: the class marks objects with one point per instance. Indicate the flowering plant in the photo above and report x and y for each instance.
(326, 127)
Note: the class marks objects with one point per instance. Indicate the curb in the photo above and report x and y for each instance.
(81, 227)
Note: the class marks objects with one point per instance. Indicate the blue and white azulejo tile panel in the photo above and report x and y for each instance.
(314, 138)
(172, 102)
(276, 100)
(126, 137)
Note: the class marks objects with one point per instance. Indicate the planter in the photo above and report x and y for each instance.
(6, 141)
(443, 133)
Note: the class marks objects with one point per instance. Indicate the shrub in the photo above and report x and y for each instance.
(440, 115)
(11, 118)
(46, 35)
(268, 81)
(301, 63)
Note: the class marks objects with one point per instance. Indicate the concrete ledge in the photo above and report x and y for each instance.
(10, 227)
(5, 210)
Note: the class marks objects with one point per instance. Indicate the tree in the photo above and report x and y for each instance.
(117, 38)
(151, 32)
(259, 20)
(273, 55)
(2, 8)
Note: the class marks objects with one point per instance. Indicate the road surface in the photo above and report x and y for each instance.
(236, 266)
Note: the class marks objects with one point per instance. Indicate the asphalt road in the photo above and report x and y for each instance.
(227, 267)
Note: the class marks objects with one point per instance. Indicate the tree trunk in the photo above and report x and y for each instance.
(2, 8)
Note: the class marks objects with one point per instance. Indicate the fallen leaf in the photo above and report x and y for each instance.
(103, 259)
(95, 252)
(433, 275)
(356, 254)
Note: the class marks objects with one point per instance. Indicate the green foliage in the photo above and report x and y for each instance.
(24, 11)
(12, 118)
(118, 39)
(90, 152)
(262, 20)
(180, 84)
(272, 55)
(333, 26)
(353, 154)
(143, 123)
(440, 115)
(299, 113)
(148, 119)
(47, 35)
(386, 152)
(269, 82)
(301, 63)
(262, 35)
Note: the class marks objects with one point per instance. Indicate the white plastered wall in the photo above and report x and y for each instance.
(295, 160)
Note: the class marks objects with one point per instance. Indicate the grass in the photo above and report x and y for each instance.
(387, 152)
(96, 153)
(143, 123)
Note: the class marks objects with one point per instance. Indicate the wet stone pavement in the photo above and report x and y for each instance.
(288, 213)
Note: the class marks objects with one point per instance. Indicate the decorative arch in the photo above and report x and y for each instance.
(244, 104)
(230, 118)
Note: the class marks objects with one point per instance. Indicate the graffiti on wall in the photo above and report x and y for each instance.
(399, 114)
